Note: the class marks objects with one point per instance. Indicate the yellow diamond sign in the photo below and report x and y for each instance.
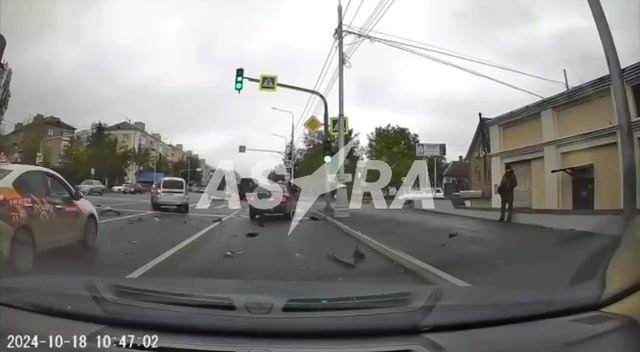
(312, 124)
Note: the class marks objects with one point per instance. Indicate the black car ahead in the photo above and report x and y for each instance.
(134, 188)
(286, 207)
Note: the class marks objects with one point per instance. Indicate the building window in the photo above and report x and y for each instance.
(50, 132)
(635, 91)
(476, 175)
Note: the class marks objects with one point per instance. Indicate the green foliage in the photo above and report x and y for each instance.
(395, 146)
(101, 153)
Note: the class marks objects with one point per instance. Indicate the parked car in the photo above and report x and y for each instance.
(170, 192)
(91, 187)
(134, 188)
(286, 207)
(39, 211)
(119, 188)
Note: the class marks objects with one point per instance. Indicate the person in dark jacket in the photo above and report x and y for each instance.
(506, 190)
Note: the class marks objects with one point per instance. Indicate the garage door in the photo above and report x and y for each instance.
(522, 193)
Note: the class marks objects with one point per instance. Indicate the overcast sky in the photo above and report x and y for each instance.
(171, 64)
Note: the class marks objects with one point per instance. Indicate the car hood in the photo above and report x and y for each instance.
(253, 306)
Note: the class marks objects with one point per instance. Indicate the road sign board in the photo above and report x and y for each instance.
(39, 158)
(3, 159)
(242, 149)
(431, 149)
(334, 126)
(268, 83)
(312, 124)
(93, 171)
(287, 164)
(343, 178)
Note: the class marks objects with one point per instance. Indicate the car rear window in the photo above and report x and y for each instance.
(4, 173)
(172, 184)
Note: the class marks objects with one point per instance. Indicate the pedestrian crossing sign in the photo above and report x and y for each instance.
(268, 83)
(334, 126)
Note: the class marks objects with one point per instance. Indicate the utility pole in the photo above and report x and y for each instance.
(188, 172)
(622, 111)
(341, 209)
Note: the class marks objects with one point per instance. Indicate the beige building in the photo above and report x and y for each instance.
(135, 136)
(47, 134)
(564, 149)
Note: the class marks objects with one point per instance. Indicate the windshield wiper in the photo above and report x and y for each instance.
(173, 298)
(389, 300)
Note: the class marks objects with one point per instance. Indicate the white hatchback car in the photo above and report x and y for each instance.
(39, 210)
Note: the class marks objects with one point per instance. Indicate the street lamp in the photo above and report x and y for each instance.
(292, 134)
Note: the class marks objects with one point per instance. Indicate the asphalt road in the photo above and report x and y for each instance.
(214, 243)
(489, 253)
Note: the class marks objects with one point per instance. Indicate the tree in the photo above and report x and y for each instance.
(395, 146)
(75, 161)
(104, 155)
(311, 160)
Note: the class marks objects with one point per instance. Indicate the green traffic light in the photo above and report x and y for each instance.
(327, 158)
(238, 85)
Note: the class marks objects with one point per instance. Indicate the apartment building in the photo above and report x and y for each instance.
(48, 135)
(564, 150)
(135, 136)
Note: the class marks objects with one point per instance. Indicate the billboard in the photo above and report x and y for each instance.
(431, 149)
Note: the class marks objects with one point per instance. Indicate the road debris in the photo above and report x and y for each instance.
(216, 220)
(358, 256)
(314, 218)
(132, 242)
(228, 254)
(343, 261)
(453, 234)
(252, 234)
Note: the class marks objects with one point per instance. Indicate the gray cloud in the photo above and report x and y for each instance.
(170, 63)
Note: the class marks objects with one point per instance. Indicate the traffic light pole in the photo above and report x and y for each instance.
(325, 118)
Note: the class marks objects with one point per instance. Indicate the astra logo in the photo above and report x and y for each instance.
(315, 185)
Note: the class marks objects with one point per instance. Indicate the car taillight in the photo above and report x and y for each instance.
(4, 201)
(285, 199)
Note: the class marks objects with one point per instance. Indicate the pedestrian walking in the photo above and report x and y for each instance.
(506, 190)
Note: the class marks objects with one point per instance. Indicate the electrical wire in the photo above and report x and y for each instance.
(356, 13)
(346, 9)
(449, 53)
(448, 63)
(319, 80)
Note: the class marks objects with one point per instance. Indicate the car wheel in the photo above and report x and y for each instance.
(289, 215)
(154, 207)
(23, 251)
(185, 209)
(90, 236)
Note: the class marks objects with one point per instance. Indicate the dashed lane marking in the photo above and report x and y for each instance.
(162, 257)
(124, 217)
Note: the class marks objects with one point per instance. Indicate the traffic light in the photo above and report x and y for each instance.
(239, 79)
(326, 151)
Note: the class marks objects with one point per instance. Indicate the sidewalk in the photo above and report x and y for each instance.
(483, 252)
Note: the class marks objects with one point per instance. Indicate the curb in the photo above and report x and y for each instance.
(423, 270)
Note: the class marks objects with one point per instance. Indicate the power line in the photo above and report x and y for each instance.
(346, 9)
(444, 62)
(356, 13)
(319, 80)
(447, 52)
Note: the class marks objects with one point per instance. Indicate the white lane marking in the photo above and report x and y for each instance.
(169, 213)
(143, 269)
(125, 217)
(395, 254)
(219, 206)
(127, 203)
(105, 198)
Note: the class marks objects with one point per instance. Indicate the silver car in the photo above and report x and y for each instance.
(170, 192)
(91, 187)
